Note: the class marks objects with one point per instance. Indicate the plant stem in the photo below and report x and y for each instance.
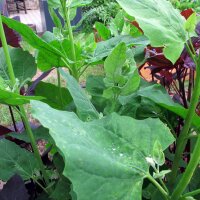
(182, 140)
(7, 55)
(71, 38)
(22, 110)
(162, 191)
(188, 173)
(33, 143)
(193, 193)
(160, 180)
(59, 86)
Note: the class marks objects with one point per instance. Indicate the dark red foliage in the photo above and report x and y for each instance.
(134, 23)
(187, 13)
(12, 37)
(4, 130)
(14, 189)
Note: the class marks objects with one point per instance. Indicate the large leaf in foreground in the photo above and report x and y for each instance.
(10, 98)
(105, 159)
(85, 109)
(15, 160)
(161, 23)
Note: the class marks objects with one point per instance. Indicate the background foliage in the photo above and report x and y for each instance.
(100, 10)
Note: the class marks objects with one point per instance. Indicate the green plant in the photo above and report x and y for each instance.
(111, 140)
(186, 4)
(101, 11)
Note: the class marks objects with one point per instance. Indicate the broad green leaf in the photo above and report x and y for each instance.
(119, 20)
(131, 85)
(95, 87)
(85, 109)
(158, 94)
(56, 97)
(191, 23)
(45, 62)
(104, 48)
(161, 23)
(10, 98)
(15, 160)
(110, 153)
(29, 36)
(122, 77)
(23, 63)
(103, 31)
(114, 62)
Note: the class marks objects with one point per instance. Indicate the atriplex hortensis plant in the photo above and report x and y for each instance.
(107, 149)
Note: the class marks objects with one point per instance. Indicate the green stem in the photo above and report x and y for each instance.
(182, 140)
(162, 191)
(71, 37)
(59, 86)
(193, 193)
(191, 45)
(187, 176)
(161, 181)
(33, 143)
(7, 55)
(22, 110)
(66, 14)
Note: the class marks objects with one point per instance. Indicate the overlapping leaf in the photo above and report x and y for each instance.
(158, 95)
(85, 109)
(104, 48)
(161, 23)
(14, 160)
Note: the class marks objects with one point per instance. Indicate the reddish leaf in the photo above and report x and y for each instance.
(134, 23)
(14, 189)
(4, 130)
(187, 13)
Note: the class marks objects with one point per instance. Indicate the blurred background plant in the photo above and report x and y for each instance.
(186, 4)
(101, 11)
